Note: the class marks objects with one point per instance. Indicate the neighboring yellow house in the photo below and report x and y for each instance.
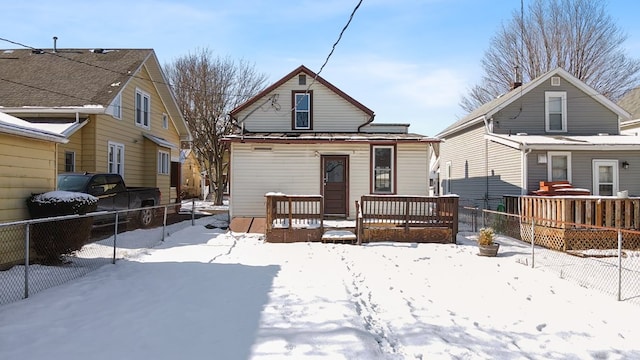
(118, 111)
(191, 181)
(27, 164)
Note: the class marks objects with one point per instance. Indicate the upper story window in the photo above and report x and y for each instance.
(165, 121)
(302, 114)
(383, 166)
(116, 107)
(555, 111)
(143, 108)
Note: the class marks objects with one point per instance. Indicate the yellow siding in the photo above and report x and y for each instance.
(74, 145)
(331, 113)
(26, 166)
(141, 155)
(191, 179)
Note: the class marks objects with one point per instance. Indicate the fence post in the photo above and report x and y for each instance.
(164, 223)
(193, 212)
(115, 237)
(533, 243)
(619, 264)
(26, 263)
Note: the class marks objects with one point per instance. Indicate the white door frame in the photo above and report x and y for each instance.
(596, 178)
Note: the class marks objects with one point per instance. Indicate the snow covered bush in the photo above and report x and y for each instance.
(53, 239)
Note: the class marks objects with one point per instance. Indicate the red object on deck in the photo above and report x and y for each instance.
(559, 188)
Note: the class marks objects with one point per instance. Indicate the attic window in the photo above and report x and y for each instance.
(555, 81)
(302, 110)
(302, 79)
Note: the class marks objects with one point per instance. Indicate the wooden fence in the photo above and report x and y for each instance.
(293, 218)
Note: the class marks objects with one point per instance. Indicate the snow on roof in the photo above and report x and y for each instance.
(551, 142)
(46, 131)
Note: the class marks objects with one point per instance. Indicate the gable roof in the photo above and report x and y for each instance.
(631, 102)
(78, 80)
(289, 76)
(489, 109)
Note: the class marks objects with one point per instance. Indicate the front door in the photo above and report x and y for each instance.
(335, 172)
(605, 177)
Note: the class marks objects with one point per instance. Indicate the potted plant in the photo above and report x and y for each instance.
(486, 243)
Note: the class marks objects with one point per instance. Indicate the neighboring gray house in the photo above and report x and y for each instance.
(552, 128)
(631, 102)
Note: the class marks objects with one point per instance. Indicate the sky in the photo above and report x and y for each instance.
(410, 61)
(205, 293)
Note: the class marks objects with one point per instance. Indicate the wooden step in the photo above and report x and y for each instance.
(339, 237)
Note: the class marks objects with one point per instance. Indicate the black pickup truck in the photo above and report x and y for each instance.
(113, 194)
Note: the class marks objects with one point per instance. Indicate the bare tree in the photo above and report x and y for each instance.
(577, 35)
(207, 88)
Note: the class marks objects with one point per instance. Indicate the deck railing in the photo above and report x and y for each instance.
(573, 211)
(294, 211)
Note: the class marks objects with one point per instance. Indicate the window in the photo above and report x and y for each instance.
(69, 161)
(605, 177)
(165, 121)
(116, 107)
(559, 166)
(383, 168)
(555, 111)
(143, 108)
(115, 160)
(163, 163)
(302, 118)
(302, 79)
(446, 184)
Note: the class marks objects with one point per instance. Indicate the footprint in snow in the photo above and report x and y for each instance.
(541, 326)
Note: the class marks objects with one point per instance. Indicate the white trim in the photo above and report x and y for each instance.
(595, 164)
(296, 111)
(563, 98)
(163, 162)
(115, 110)
(550, 155)
(141, 122)
(165, 121)
(446, 189)
(112, 164)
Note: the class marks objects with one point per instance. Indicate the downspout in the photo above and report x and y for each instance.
(367, 123)
(525, 168)
(486, 163)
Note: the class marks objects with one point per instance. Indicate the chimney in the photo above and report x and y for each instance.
(517, 79)
(55, 44)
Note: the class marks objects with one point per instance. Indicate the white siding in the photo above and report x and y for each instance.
(296, 169)
(331, 112)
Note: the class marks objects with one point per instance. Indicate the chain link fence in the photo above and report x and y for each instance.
(603, 258)
(43, 253)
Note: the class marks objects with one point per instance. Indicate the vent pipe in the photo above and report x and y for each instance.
(55, 44)
(517, 78)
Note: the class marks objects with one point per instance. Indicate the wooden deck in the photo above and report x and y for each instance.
(255, 225)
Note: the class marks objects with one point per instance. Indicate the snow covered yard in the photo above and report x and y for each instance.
(204, 293)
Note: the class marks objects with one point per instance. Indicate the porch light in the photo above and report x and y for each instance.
(625, 164)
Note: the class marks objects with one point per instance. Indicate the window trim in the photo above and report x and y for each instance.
(164, 162)
(372, 169)
(595, 163)
(73, 161)
(446, 188)
(550, 155)
(294, 110)
(115, 146)
(165, 121)
(142, 118)
(563, 97)
(116, 107)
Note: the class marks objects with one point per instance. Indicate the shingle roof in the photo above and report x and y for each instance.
(492, 107)
(67, 77)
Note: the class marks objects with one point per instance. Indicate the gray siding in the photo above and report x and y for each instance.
(585, 115)
(582, 169)
(505, 171)
(466, 152)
